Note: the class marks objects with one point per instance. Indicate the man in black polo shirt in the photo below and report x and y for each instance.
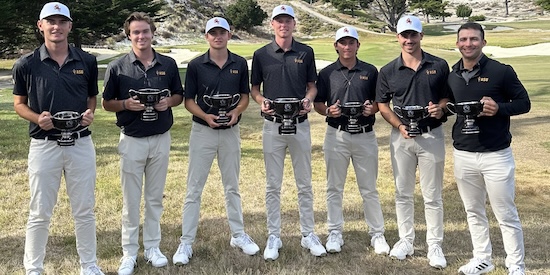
(287, 70)
(57, 77)
(144, 146)
(345, 81)
(217, 72)
(416, 78)
(483, 162)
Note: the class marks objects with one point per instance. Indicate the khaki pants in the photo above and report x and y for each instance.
(299, 146)
(139, 157)
(47, 163)
(204, 144)
(362, 149)
(428, 153)
(490, 174)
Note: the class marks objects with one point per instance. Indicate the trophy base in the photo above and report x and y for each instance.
(352, 128)
(223, 120)
(65, 142)
(287, 131)
(149, 116)
(469, 131)
(414, 132)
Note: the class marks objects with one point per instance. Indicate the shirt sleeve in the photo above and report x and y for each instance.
(323, 87)
(256, 77)
(519, 102)
(191, 86)
(383, 94)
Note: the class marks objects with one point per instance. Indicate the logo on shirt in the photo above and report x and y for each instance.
(233, 71)
(161, 72)
(431, 72)
(364, 77)
(482, 79)
(78, 71)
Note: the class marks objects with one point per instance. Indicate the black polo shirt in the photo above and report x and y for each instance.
(284, 74)
(51, 88)
(204, 77)
(501, 83)
(337, 82)
(403, 86)
(127, 73)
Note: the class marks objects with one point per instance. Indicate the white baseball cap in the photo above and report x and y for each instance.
(55, 8)
(217, 22)
(282, 10)
(409, 22)
(347, 31)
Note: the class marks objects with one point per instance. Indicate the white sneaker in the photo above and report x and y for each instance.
(314, 245)
(476, 266)
(245, 243)
(127, 265)
(155, 257)
(334, 241)
(378, 242)
(436, 257)
(402, 249)
(271, 252)
(91, 270)
(516, 270)
(183, 254)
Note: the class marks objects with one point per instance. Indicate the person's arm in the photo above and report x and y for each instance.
(88, 115)
(311, 92)
(196, 110)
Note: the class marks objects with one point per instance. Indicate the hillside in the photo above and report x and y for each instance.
(185, 24)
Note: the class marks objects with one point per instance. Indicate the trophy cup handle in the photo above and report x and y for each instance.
(451, 108)
(207, 100)
(235, 100)
(398, 111)
(132, 92)
(165, 93)
(426, 113)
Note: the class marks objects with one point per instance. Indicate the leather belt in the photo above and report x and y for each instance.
(299, 119)
(74, 135)
(340, 127)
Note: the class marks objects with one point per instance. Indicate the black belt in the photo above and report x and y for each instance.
(427, 128)
(202, 122)
(298, 119)
(364, 128)
(74, 135)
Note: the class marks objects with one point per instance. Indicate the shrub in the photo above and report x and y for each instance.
(463, 11)
(476, 18)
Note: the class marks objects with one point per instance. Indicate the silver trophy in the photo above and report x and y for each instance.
(149, 97)
(352, 110)
(66, 122)
(286, 109)
(469, 110)
(413, 114)
(222, 102)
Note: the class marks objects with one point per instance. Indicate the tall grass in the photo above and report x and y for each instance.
(213, 255)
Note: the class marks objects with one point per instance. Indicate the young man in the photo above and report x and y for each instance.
(57, 77)
(287, 69)
(416, 78)
(350, 80)
(218, 71)
(483, 162)
(144, 145)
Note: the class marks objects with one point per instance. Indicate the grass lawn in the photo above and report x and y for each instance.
(212, 253)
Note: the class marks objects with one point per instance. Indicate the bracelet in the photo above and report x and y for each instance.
(124, 104)
(398, 126)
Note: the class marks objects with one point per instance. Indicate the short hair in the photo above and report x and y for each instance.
(138, 16)
(472, 26)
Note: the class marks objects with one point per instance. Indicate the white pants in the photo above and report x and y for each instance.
(428, 153)
(47, 163)
(139, 157)
(204, 144)
(491, 174)
(362, 149)
(299, 146)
